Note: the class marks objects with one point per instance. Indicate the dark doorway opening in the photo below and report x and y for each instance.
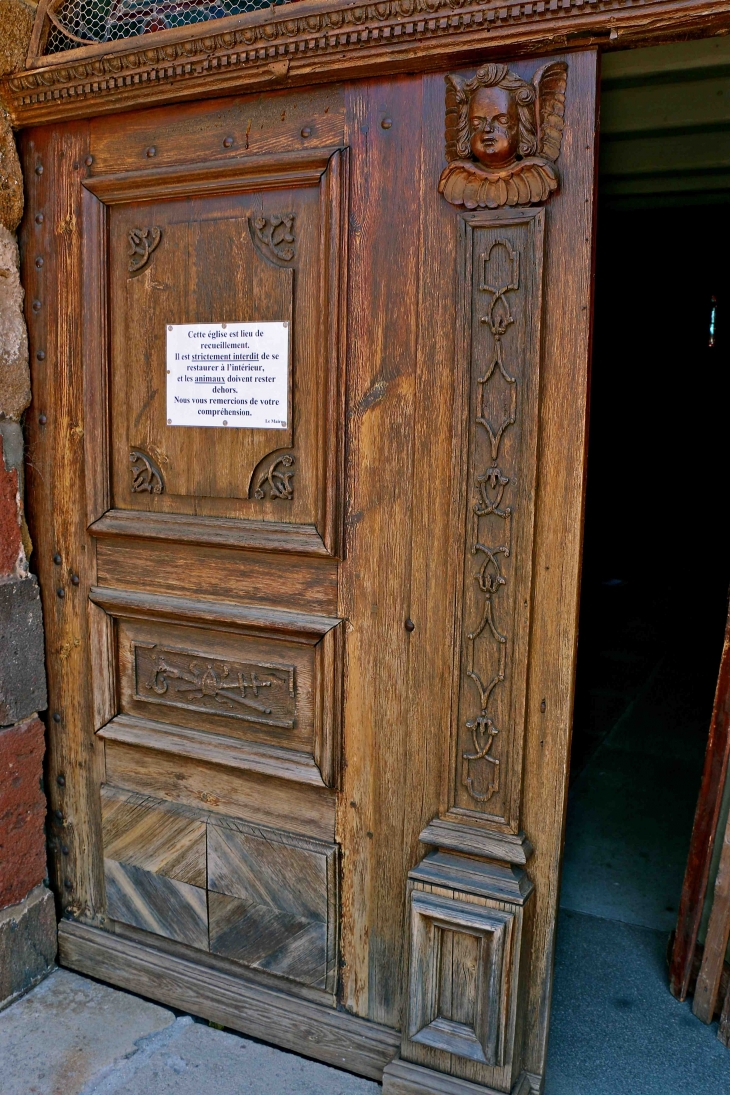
(656, 570)
(656, 565)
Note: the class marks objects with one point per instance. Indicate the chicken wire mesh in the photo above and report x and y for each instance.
(76, 22)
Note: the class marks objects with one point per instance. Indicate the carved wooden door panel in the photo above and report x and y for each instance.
(311, 681)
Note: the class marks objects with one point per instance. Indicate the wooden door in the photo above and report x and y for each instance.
(311, 681)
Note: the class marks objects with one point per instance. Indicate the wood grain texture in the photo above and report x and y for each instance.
(323, 41)
(302, 1026)
(299, 807)
(406, 1078)
(262, 897)
(480, 841)
(56, 505)
(718, 932)
(704, 830)
(232, 175)
(211, 532)
(267, 122)
(249, 579)
(268, 760)
(156, 903)
(460, 1024)
(374, 824)
(558, 529)
(140, 833)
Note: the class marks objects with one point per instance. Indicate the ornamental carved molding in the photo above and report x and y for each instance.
(142, 242)
(503, 136)
(274, 237)
(317, 38)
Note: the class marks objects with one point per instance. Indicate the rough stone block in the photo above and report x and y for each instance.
(16, 25)
(27, 943)
(15, 387)
(11, 557)
(22, 810)
(22, 669)
(11, 180)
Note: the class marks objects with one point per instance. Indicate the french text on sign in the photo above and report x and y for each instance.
(233, 375)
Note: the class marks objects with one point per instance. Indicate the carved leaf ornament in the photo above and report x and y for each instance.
(503, 136)
(142, 242)
(146, 475)
(487, 645)
(273, 236)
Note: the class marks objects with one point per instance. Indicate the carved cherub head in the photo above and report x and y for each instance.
(503, 136)
(497, 118)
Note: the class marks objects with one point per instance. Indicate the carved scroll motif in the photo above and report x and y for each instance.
(273, 236)
(503, 136)
(142, 242)
(486, 668)
(277, 478)
(146, 475)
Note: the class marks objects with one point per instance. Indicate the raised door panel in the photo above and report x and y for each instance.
(228, 246)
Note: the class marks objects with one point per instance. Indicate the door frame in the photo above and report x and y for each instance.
(92, 82)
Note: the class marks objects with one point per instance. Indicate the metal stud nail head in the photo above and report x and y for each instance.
(74, 579)
(56, 716)
(151, 151)
(57, 559)
(410, 626)
(386, 123)
(39, 218)
(306, 132)
(42, 419)
(227, 142)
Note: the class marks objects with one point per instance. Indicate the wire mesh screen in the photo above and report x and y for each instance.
(77, 22)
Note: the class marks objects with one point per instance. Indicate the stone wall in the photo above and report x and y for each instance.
(27, 915)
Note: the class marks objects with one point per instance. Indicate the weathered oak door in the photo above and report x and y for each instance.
(311, 677)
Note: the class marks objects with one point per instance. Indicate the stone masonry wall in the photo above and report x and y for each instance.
(27, 915)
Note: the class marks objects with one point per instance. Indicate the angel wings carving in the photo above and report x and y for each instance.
(503, 136)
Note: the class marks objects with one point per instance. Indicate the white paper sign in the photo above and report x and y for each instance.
(228, 374)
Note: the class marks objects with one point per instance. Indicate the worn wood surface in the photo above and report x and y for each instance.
(558, 531)
(52, 257)
(363, 600)
(406, 1078)
(718, 932)
(322, 40)
(723, 1032)
(704, 830)
(335, 1037)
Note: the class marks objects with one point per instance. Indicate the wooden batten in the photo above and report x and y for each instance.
(335, 1037)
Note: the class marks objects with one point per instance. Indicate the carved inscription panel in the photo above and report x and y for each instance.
(503, 254)
(249, 688)
(252, 691)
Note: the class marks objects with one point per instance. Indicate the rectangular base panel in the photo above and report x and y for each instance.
(403, 1078)
(336, 1037)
